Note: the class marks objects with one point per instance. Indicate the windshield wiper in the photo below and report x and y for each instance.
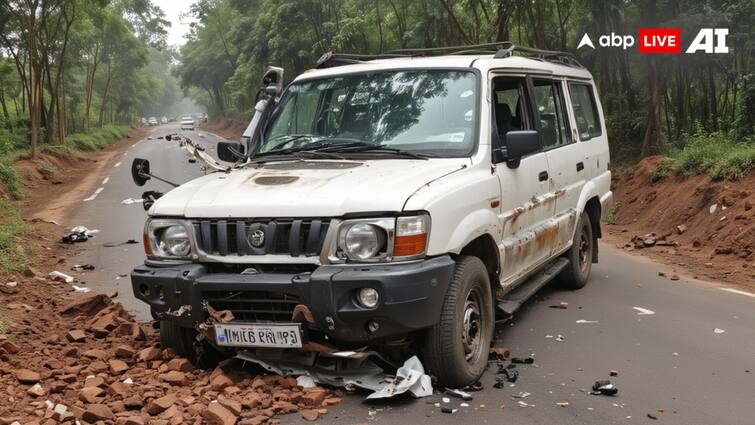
(363, 147)
(316, 146)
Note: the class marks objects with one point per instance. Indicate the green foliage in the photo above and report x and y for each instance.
(10, 178)
(611, 217)
(97, 138)
(662, 170)
(4, 329)
(718, 154)
(13, 257)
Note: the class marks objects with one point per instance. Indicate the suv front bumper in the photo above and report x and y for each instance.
(411, 295)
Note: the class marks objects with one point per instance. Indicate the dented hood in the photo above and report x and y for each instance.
(305, 188)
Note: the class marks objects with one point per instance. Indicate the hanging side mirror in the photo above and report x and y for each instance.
(519, 144)
(140, 171)
(272, 81)
(230, 151)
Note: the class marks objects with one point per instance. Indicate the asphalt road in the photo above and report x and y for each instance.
(692, 361)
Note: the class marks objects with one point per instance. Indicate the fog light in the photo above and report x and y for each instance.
(144, 290)
(372, 326)
(161, 294)
(368, 297)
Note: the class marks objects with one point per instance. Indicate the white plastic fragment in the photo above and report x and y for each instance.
(718, 331)
(61, 277)
(580, 321)
(81, 289)
(128, 381)
(130, 201)
(562, 403)
(446, 400)
(11, 284)
(305, 381)
(713, 208)
(410, 377)
(464, 405)
(643, 311)
(560, 338)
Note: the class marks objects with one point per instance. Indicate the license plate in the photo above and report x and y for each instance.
(258, 335)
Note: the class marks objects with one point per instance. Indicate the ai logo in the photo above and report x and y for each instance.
(664, 41)
(704, 41)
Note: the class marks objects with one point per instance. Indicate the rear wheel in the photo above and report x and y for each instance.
(184, 341)
(576, 274)
(456, 348)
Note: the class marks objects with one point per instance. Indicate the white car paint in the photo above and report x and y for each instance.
(530, 221)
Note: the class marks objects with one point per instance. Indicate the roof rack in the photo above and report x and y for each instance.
(499, 50)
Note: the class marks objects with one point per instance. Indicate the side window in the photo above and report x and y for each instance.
(550, 105)
(510, 105)
(585, 110)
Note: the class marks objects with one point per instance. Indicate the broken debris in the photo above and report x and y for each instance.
(604, 387)
(60, 277)
(525, 360)
(78, 234)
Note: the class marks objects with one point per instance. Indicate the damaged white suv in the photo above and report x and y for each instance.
(402, 201)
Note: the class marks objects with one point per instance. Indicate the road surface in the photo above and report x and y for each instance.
(685, 351)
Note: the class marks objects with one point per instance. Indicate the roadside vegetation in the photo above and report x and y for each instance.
(720, 155)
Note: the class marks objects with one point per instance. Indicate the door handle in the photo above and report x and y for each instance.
(543, 176)
(580, 166)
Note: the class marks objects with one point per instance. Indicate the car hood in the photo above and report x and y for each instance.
(305, 188)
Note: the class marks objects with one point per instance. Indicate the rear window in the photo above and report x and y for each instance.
(585, 110)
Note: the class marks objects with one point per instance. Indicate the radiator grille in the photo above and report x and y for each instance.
(254, 305)
(288, 237)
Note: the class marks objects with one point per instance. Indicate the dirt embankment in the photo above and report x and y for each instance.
(704, 228)
(229, 129)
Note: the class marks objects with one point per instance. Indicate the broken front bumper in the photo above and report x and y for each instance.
(411, 296)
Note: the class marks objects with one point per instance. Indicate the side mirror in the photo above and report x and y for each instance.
(140, 171)
(272, 81)
(520, 143)
(230, 151)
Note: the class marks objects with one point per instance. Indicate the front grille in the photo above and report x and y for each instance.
(295, 237)
(256, 306)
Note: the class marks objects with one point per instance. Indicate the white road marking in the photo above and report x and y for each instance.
(105, 180)
(737, 291)
(643, 311)
(94, 195)
(117, 164)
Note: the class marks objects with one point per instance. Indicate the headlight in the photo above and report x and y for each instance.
(175, 241)
(363, 241)
(381, 239)
(167, 238)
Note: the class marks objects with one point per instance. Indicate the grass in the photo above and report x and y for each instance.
(4, 329)
(11, 179)
(662, 170)
(13, 256)
(611, 217)
(718, 154)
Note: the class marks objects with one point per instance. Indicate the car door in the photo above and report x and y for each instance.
(565, 157)
(523, 187)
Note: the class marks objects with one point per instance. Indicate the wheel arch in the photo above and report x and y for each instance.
(593, 210)
(485, 248)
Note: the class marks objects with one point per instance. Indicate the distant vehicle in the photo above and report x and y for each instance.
(172, 119)
(200, 117)
(152, 121)
(143, 121)
(187, 123)
(163, 120)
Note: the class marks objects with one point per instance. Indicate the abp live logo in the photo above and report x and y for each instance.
(665, 41)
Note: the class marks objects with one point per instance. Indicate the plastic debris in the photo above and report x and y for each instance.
(130, 201)
(563, 305)
(305, 381)
(524, 404)
(519, 360)
(463, 404)
(562, 403)
(79, 267)
(446, 409)
(521, 394)
(11, 284)
(114, 244)
(500, 353)
(718, 331)
(81, 289)
(581, 321)
(604, 387)
(78, 234)
(652, 416)
(477, 386)
(60, 277)
(643, 311)
(458, 394)
(614, 372)
(560, 338)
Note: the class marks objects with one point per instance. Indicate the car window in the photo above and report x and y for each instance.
(509, 106)
(585, 110)
(550, 105)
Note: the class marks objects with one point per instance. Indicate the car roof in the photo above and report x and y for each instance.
(484, 63)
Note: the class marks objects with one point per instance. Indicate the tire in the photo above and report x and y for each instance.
(576, 274)
(184, 340)
(456, 348)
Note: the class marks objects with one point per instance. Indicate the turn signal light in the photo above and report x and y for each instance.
(407, 246)
(147, 245)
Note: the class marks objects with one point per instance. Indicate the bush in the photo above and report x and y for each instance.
(11, 179)
(662, 170)
(719, 154)
(13, 257)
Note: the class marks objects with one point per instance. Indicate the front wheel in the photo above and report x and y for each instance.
(456, 348)
(576, 274)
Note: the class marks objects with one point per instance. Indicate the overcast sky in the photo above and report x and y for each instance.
(178, 25)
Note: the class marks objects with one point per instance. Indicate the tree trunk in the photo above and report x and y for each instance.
(653, 142)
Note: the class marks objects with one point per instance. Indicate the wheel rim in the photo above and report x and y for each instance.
(585, 250)
(471, 334)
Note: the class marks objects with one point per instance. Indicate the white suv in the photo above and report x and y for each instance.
(401, 201)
